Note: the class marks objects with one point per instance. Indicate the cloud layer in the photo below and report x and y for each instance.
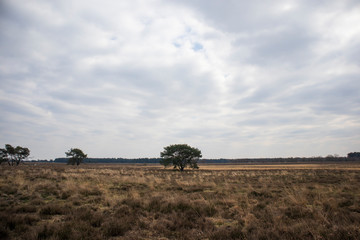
(126, 78)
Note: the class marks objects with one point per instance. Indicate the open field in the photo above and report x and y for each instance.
(55, 201)
(292, 166)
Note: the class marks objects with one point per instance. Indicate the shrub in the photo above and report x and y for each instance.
(26, 209)
(53, 209)
(228, 233)
(116, 227)
(297, 212)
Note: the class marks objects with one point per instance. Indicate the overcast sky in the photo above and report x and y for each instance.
(233, 78)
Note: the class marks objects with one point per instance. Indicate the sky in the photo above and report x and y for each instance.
(236, 79)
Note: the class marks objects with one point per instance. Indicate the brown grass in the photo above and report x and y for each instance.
(147, 202)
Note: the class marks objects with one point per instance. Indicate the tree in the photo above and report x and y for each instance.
(76, 156)
(3, 155)
(180, 156)
(354, 155)
(13, 156)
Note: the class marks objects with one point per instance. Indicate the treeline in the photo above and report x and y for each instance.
(113, 160)
(278, 160)
(219, 161)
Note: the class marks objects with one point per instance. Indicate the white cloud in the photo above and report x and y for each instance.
(124, 79)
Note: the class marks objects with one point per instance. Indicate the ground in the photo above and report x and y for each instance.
(56, 201)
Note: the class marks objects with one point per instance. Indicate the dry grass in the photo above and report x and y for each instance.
(147, 202)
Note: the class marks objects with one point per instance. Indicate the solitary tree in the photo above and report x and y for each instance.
(180, 156)
(76, 156)
(13, 155)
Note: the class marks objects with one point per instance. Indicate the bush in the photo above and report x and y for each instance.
(116, 227)
(53, 209)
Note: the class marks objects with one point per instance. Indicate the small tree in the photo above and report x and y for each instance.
(76, 156)
(13, 156)
(180, 156)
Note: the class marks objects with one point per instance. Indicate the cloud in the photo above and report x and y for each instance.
(125, 79)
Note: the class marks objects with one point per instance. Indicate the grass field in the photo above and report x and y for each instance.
(54, 201)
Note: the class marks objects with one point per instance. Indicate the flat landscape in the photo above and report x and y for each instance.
(93, 201)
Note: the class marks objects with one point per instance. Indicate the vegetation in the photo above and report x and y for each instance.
(296, 160)
(13, 155)
(354, 155)
(180, 156)
(76, 156)
(56, 201)
(113, 160)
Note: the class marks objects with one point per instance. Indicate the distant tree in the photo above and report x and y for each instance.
(13, 156)
(354, 155)
(180, 156)
(76, 156)
(3, 155)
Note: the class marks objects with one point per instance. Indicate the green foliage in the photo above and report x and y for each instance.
(13, 155)
(180, 156)
(76, 156)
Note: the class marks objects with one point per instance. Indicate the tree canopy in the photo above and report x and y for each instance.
(354, 155)
(76, 156)
(13, 155)
(180, 156)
